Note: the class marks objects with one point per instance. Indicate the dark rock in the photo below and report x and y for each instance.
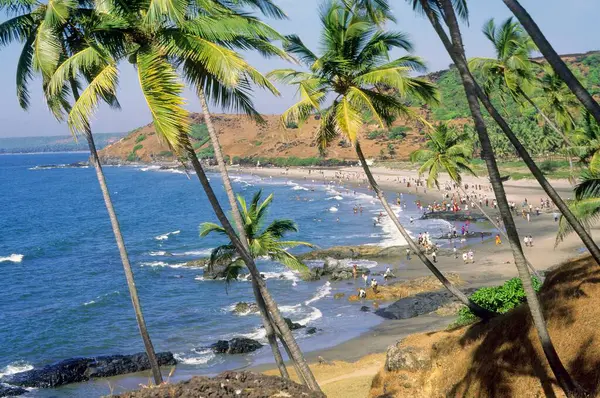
(293, 325)
(11, 391)
(468, 235)
(334, 270)
(77, 370)
(311, 330)
(364, 308)
(406, 358)
(243, 308)
(238, 345)
(228, 385)
(419, 304)
(453, 216)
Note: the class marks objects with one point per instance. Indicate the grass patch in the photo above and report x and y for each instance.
(140, 138)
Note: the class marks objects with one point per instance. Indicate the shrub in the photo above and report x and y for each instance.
(137, 148)
(257, 143)
(499, 299)
(165, 154)
(132, 157)
(397, 133)
(140, 138)
(373, 135)
(291, 125)
(199, 131)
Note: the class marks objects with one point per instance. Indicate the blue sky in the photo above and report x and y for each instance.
(567, 24)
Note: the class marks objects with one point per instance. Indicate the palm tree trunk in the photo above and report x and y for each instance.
(456, 51)
(139, 316)
(296, 354)
(553, 58)
(114, 221)
(501, 230)
(477, 310)
(241, 231)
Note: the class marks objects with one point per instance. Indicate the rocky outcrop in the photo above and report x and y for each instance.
(77, 370)
(406, 358)
(238, 345)
(293, 325)
(11, 391)
(229, 385)
(334, 270)
(419, 304)
(453, 216)
(354, 252)
(468, 235)
(243, 308)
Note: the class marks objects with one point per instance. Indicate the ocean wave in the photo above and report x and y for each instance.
(14, 368)
(15, 258)
(299, 188)
(333, 209)
(102, 297)
(288, 275)
(202, 252)
(258, 333)
(336, 197)
(164, 264)
(166, 236)
(300, 309)
(202, 358)
(313, 316)
(158, 253)
(391, 233)
(323, 291)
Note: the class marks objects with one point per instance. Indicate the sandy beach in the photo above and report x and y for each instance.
(351, 365)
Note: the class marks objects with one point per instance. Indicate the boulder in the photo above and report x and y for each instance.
(364, 308)
(419, 304)
(338, 296)
(293, 325)
(406, 358)
(243, 308)
(311, 330)
(334, 269)
(11, 391)
(228, 385)
(77, 370)
(238, 345)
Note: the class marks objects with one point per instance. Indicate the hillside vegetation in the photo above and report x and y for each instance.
(245, 141)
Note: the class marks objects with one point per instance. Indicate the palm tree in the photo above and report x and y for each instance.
(586, 205)
(46, 31)
(437, 10)
(157, 40)
(263, 241)
(452, 22)
(559, 66)
(586, 139)
(450, 151)
(354, 67)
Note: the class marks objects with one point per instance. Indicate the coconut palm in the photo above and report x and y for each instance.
(445, 11)
(586, 205)
(512, 70)
(559, 66)
(158, 39)
(48, 32)
(354, 68)
(263, 241)
(586, 139)
(446, 150)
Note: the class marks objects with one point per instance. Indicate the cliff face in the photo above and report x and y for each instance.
(244, 138)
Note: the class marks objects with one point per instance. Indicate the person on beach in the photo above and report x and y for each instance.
(555, 215)
(471, 256)
(366, 279)
(530, 241)
(465, 257)
(354, 271)
(455, 252)
(498, 240)
(374, 285)
(387, 274)
(362, 294)
(408, 254)
(526, 241)
(434, 256)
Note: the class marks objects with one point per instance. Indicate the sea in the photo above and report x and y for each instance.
(63, 292)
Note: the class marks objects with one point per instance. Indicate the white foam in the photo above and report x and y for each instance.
(166, 236)
(204, 356)
(14, 368)
(336, 197)
(287, 275)
(313, 316)
(158, 253)
(323, 291)
(164, 264)
(203, 252)
(150, 168)
(89, 302)
(391, 233)
(257, 334)
(333, 209)
(15, 258)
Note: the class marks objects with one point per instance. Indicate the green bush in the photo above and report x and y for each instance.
(140, 138)
(165, 154)
(137, 148)
(199, 131)
(132, 157)
(397, 133)
(499, 299)
(206, 153)
(373, 135)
